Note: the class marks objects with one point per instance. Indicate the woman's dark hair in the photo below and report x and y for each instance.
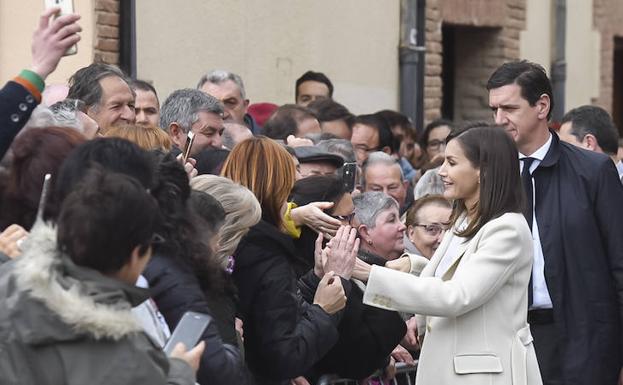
(318, 188)
(208, 209)
(36, 152)
(493, 152)
(112, 154)
(426, 200)
(180, 225)
(104, 218)
(378, 122)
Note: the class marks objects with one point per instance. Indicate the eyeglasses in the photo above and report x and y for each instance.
(433, 229)
(345, 218)
(436, 144)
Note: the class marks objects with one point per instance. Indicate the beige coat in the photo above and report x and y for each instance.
(475, 314)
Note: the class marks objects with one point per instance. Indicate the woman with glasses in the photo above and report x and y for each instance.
(367, 335)
(427, 220)
(472, 297)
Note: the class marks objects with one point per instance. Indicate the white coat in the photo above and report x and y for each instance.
(474, 316)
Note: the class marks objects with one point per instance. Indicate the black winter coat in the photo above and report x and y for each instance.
(367, 334)
(284, 336)
(176, 290)
(16, 105)
(579, 211)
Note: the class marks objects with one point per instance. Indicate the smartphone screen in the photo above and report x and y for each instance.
(67, 7)
(190, 138)
(188, 331)
(349, 176)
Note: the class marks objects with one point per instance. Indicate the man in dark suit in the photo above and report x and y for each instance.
(575, 209)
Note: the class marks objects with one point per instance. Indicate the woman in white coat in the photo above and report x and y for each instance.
(471, 299)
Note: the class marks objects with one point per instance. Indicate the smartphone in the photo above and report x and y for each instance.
(190, 138)
(188, 331)
(349, 176)
(67, 7)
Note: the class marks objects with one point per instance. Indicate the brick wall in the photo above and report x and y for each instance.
(485, 37)
(608, 20)
(106, 31)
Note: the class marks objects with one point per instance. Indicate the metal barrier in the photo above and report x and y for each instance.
(405, 375)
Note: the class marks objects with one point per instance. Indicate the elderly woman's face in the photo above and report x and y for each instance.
(387, 236)
(432, 222)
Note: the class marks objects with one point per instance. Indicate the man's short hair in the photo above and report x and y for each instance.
(595, 121)
(137, 84)
(369, 205)
(104, 218)
(530, 77)
(220, 76)
(379, 157)
(315, 77)
(85, 83)
(66, 113)
(380, 125)
(328, 110)
(183, 107)
(341, 147)
(285, 120)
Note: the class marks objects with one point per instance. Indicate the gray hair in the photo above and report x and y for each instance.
(370, 204)
(183, 107)
(341, 147)
(379, 157)
(40, 117)
(220, 76)
(66, 114)
(429, 184)
(84, 84)
(242, 210)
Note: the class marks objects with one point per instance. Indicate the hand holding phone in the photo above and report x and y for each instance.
(67, 8)
(188, 331)
(190, 139)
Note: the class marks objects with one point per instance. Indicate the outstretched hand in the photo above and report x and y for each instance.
(342, 252)
(51, 40)
(313, 216)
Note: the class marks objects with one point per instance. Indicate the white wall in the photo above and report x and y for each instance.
(535, 42)
(271, 43)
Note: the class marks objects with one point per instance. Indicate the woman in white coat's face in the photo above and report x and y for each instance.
(461, 180)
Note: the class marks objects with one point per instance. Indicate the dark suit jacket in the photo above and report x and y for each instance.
(579, 211)
(16, 105)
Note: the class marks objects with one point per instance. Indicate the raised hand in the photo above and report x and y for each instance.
(51, 40)
(342, 252)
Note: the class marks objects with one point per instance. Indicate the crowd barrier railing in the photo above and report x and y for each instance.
(405, 375)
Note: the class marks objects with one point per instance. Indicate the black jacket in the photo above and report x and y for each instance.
(176, 290)
(367, 334)
(579, 211)
(16, 105)
(284, 336)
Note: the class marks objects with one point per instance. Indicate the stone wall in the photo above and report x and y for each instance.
(486, 35)
(106, 31)
(608, 20)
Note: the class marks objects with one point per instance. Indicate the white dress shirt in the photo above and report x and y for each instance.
(540, 294)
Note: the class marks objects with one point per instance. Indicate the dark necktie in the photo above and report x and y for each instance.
(526, 179)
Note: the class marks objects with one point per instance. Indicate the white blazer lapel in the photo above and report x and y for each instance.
(431, 267)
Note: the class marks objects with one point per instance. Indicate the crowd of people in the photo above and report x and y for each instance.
(316, 240)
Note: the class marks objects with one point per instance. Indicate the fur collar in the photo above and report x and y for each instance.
(39, 271)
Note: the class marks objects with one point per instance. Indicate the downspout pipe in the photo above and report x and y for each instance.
(559, 65)
(412, 51)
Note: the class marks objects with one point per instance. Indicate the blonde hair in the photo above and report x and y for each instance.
(146, 137)
(242, 210)
(267, 169)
